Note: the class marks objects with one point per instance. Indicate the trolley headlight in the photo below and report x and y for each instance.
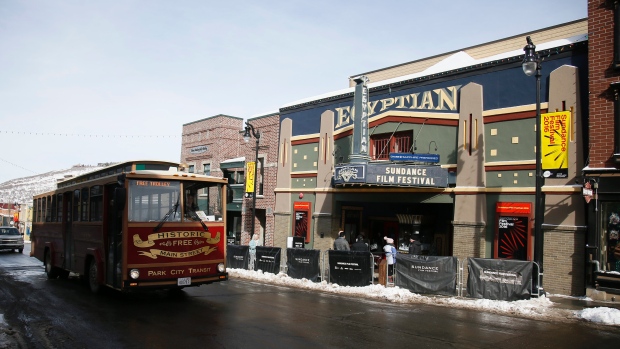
(134, 273)
(221, 268)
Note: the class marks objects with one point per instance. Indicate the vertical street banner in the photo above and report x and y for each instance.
(268, 259)
(250, 177)
(361, 142)
(499, 279)
(237, 256)
(350, 268)
(303, 264)
(426, 274)
(555, 138)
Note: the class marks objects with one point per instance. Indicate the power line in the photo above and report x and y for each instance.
(12, 164)
(30, 133)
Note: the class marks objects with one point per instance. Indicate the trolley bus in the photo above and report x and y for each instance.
(134, 225)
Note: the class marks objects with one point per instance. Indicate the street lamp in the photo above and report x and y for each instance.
(251, 132)
(531, 66)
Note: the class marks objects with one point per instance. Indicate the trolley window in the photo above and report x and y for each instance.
(151, 200)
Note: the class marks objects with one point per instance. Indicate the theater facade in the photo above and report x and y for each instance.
(446, 156)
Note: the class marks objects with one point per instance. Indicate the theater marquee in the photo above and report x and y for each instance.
(392, 175)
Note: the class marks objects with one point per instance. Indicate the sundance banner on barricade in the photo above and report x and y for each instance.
(499, 279)
(426, 274)
(303, 264)
(350, 268)
(237, 256)
(268, 259)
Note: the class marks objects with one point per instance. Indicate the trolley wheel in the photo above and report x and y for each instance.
(50, 270)
(93, 283)
(63, 274)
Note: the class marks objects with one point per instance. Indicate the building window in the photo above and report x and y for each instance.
(616, 35)
(191, 169)
(616, 91)
(206, 169)
(260, 176)
(384, 144)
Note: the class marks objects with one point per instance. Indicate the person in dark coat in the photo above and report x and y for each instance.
(359, 244)
(341, 244)
(415, 246)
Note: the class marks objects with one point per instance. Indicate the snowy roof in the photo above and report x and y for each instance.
(454, 61)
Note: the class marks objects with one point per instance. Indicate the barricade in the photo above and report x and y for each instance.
(499, 279)
(303, 264)
(350, 268)
(237, 256)
(268, 259)
(427, 274)
(495, 279)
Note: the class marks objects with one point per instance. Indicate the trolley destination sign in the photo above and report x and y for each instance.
(392, 175)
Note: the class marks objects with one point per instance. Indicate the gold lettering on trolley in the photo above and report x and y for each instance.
(196, 235)
(153, 253)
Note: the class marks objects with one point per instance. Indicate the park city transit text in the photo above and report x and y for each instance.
(179, 272)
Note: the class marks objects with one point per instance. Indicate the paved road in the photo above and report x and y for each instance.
(242, 314)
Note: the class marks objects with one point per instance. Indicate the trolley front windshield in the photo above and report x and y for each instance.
(152, 200)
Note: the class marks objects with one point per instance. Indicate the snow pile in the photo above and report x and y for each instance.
(608, 316)
(533, 308)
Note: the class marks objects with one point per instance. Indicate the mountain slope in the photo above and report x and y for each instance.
(22, 190)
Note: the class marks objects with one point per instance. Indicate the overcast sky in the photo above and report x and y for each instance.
(84, 82)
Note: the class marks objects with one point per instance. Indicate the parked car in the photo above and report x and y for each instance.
(11, 239)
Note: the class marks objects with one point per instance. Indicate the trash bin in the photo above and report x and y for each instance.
(383, 272)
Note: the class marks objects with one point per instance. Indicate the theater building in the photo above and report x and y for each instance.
(443, 149)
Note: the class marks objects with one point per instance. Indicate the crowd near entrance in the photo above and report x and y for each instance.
(430, 224)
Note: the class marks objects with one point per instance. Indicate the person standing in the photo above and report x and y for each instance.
(253, 243)
(389, 257)
(359, 244)
(415, 246)
(341, 244)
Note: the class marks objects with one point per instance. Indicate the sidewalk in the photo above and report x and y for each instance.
(580, 303)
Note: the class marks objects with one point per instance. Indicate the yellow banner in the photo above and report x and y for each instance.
(555, 133)
(249, 177)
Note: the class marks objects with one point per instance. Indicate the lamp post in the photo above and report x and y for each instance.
(251, 132)
(532, 66)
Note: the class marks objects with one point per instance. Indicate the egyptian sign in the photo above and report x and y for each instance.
(168, 244)
(442, 99)
(360, 124)
(392, 175)
(555, 131)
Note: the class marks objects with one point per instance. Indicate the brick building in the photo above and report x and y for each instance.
(602, 169)
(267, 126)
(215, 146)
(206, 144)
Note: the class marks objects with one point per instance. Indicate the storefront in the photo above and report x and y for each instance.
(432, 156)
